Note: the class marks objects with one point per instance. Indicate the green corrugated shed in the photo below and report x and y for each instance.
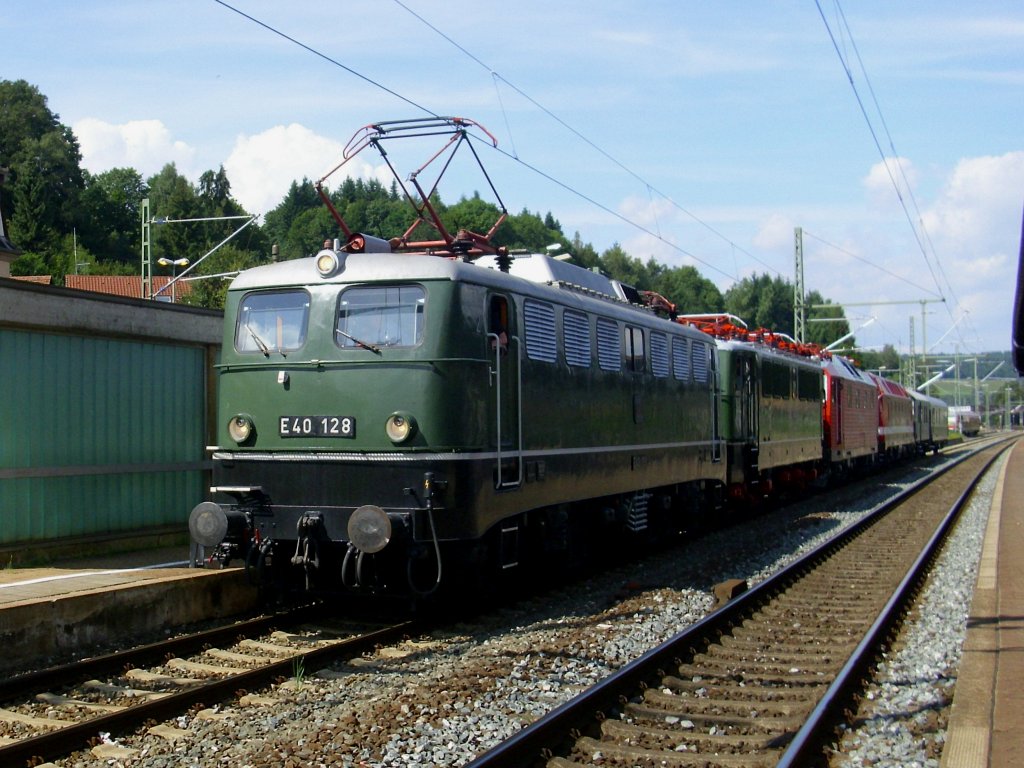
(103, 414)
(98, 435)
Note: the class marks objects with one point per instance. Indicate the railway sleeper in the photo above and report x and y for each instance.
(284, 651)
(121, 691)
(641, 712)
(655, 697)
(157, 678)
(796, 625)
(812, 665)
(239, 658)
(56, 700)
(730, 675)
(727, 667)
(198, 668)
(790, 655)
(695, 740)
(754, 693)
(616, 754)
(839, 598)
(10, 716)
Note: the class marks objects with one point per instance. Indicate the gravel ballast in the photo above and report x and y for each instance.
(442, 700)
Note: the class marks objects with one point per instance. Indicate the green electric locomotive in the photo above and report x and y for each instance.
(385, 416)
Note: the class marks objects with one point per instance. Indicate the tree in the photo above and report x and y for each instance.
(212, 291)
(762, 302)
(111, 203)
(46, 176)
(824, 334)
(691, 293)
(24, 115)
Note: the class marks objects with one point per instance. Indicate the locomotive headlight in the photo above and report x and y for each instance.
(400, 427)
(327, 262)
(369, 529)
(241, 428)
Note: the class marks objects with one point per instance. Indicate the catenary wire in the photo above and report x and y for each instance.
(499, 77)
(512, 157)
(870, 263)
(919, 230)
(327, 58)
(895, 154)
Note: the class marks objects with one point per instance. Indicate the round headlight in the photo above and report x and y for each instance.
(400, 427)
(326, 262)
(369, 529)
(240, 428)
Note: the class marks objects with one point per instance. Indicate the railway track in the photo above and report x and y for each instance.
(48, 714)
(764, 680)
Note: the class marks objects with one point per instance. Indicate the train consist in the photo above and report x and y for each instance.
(398, 415)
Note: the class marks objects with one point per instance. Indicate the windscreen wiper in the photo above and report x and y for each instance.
(360, 343)
(259, 342)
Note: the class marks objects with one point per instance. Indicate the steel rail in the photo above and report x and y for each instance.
(552, 733)
(807, 743)
(61, 742)
(68, 674)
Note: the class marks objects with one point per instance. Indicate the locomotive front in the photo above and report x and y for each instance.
(338, 419)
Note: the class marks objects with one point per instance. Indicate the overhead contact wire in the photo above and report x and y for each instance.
(497, 76)
(327, 58)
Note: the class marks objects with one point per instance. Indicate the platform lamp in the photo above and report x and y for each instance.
(174, 264)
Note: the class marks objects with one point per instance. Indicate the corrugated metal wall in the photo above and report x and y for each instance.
(103, 414)
(99, 435)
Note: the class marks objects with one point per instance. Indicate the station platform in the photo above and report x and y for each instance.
(84, 605)
(986, 725)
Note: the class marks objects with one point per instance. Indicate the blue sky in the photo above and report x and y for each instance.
(697, 133)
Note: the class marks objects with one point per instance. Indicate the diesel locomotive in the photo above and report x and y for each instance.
(395, 415)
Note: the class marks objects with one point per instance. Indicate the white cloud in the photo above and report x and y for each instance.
(261, 167)
(145, 145)
(775, 233)
(886, 177)
(980, 205)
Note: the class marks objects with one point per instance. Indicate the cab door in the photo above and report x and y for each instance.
(504, 350)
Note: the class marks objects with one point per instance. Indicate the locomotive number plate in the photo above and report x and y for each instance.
(317, 426)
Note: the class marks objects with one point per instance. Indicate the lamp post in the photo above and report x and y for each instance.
(173, 264)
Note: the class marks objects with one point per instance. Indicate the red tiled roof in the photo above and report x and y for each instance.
(40, 279)
(122, 285)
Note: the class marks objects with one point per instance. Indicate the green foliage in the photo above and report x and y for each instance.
(888, 359)
(208, 282)
(763, 302)
(113, 199)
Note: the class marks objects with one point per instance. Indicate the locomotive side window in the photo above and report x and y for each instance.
(272, 321)
(636, 357)
(659, 354)
(609, 353)
(576, 338)
(382, 315)
(497, 323)
(681, 358)
(808, 385)
(539, 320)
(774, 380)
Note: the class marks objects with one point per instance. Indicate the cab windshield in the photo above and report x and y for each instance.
(272, 321)
(381, 316)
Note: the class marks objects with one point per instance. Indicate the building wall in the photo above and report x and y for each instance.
(105, 412)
